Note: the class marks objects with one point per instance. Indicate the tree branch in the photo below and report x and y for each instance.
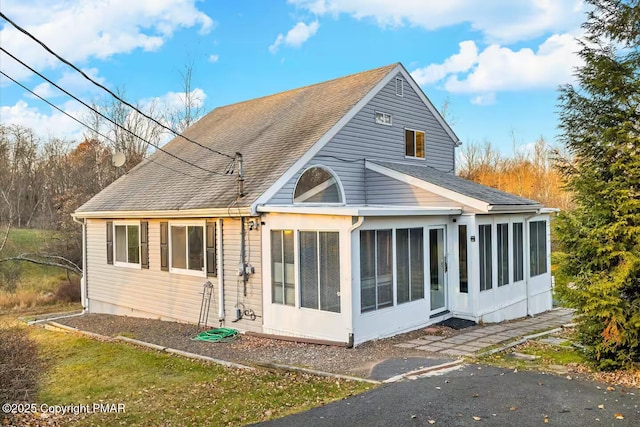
(48, 260)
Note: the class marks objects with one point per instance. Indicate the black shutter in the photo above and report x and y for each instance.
(164, 246)
(144, 244)
(212, 265)
(110, 242)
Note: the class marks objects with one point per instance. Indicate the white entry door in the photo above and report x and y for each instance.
(437, 269)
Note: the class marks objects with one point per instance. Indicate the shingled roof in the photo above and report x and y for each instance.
(458, 185)
(271, 132)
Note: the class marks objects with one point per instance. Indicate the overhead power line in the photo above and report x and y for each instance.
(86, 125)
(60, 58)
(103, 116)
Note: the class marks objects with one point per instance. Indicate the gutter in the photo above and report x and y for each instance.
(83, 282)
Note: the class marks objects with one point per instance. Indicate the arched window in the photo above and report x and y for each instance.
(318, 185)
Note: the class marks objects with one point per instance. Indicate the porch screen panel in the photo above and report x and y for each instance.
(329, 263)
(402, 265)
(308, 269)
(538, 247)
(416, 246)
(485, 246)
(518, 252)
(503, 254)
(462, 259)
(367, 270)
(384, 269)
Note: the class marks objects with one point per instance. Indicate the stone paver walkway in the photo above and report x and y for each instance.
(478, 339)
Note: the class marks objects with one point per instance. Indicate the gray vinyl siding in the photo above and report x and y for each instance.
(382, 190)
(161, 294)
(362, 138)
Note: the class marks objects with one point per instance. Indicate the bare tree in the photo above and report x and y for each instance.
(191, 106)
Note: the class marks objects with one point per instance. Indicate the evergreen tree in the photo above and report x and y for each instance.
(600, 238)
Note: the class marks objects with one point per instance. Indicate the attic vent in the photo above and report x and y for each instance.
(383, 118)
(399, 86)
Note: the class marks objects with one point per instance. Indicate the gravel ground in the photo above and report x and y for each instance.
(249, 349)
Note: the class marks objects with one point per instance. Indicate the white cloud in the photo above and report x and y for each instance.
(499, 21)
(484, 99)
(459, 62)
(499, 68)
(79, 31)
(45, 125)
(175, 100)
(296, 36)
(214, 57)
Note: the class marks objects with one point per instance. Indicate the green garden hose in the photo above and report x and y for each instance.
(217, 335)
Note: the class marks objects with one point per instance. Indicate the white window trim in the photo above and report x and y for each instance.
(186, 271)
(337, 181)
(116, 263)
(404, 139)
(375, 118)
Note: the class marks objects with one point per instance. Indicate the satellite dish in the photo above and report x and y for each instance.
(118, 159)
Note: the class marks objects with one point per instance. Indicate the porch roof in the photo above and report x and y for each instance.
(448, 185)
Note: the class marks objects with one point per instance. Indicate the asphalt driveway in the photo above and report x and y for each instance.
(477, 395)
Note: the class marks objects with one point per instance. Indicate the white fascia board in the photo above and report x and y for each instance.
(315, 149)
(514, 208)
(361, 210)
(431, 107)
(435, 189)
(549, 210)
(184, 213)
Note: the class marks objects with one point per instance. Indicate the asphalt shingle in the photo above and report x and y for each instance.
(271, 132)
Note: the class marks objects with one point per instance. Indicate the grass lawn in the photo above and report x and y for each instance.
(161, 389)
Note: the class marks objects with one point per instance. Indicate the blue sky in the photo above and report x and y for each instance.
(498, 63)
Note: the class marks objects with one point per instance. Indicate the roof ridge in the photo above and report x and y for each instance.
(389, 66)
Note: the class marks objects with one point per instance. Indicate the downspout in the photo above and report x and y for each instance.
(353, 227)
(220, 272)
(83, 281)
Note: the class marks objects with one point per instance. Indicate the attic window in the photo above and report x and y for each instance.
(318, 185)
(383, 118)
(399, 86)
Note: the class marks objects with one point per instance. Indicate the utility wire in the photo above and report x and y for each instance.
(44, 46)
(86, 125)
(105, 117)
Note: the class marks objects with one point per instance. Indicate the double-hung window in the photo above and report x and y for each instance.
(414, 143)
(127, 243)
(283, 282)
(187, 248)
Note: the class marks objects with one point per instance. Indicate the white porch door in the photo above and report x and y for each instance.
(437, 269)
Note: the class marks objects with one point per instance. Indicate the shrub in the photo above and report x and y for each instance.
(69, 291)
(19, 365)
